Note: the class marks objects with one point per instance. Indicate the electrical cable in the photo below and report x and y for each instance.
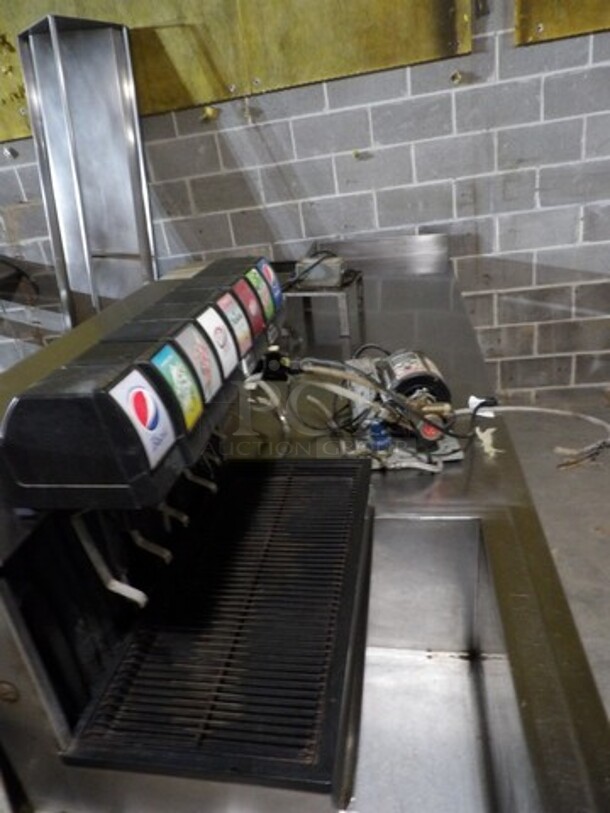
(394, 402)
(348, 276)
(567, 413)
(590, 452)
(370, 346)
(256, 381)
(307, 360)
(335, 424)
(353, 424)
(296, 413)
(577, 455)
(322, 255)
(389, 405)
(395, 399)
(483, 403)
(273, 401)
(563, 412)
(334, 369)
(349, 395)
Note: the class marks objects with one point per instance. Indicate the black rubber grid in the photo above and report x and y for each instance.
(240, 668)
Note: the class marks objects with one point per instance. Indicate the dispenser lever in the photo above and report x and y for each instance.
(170, 513)
(201, 481)
(157, 550)
(101, 568)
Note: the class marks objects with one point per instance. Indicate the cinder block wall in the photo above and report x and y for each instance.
(507, 150)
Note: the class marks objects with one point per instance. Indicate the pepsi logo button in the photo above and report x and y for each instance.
(144, 408)
(147, 414)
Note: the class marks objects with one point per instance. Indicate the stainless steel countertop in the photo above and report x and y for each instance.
(562, 714)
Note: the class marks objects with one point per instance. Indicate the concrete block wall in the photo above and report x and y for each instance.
(506, 149)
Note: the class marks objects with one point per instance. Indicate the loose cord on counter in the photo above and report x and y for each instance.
(576, 456)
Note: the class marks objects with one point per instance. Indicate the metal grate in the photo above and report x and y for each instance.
(241, 667)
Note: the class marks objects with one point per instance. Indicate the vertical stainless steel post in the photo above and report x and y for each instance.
(82, 104)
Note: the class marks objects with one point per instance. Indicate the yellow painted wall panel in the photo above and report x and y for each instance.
(184, 52)
(541, 20)
(190, 60)
(321, 39)
(190, 52)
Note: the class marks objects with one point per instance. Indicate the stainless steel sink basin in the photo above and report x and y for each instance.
(451, 719)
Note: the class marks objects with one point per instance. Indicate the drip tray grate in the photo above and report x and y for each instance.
(241, 667)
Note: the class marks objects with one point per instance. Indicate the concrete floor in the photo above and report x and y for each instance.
(574, 507)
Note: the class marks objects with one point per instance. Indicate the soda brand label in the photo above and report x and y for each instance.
(175, 371)
(222, 340)
(147, 414)
(254, 276)
(201, 356)
(249, 300)
(238, 322)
